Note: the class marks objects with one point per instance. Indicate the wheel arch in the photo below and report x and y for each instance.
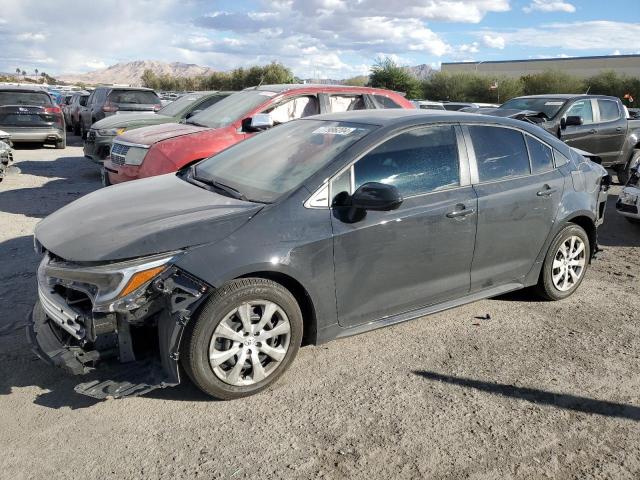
(589, 226)
(302, 296)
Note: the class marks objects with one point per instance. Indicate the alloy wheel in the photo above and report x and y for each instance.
(569, 263)
(249, 343)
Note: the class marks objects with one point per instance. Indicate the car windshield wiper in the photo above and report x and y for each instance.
(226, 189)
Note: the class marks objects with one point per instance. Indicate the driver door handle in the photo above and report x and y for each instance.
(461, 211)
(546, 192)
(593, 131)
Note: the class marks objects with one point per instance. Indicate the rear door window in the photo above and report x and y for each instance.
(293, 108)
(386, 102)
(346, 103)
(540, 154)
(501, 153)
(581, 108)
(609, 111)
(416, 162)
(24, 98)
(134, 96)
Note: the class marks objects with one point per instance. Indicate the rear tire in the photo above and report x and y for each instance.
(76, 128)
(633, 220)
(83, 132)
(228, 357)
(104, 176)
(62, 144)
(564, 265)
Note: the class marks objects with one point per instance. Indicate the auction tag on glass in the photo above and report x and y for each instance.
(334, 130)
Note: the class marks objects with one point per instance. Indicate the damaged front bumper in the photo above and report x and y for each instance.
(133, 348)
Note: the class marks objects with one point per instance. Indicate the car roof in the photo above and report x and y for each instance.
(117, 87)
(17, 88)
(406, 117)
(565, 96)
(285, 87)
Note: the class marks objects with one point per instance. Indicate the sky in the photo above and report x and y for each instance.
(315, 38)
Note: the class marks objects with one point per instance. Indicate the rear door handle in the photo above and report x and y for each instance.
(593, 131)
(461, 211)
(547, 192)
(618, 129)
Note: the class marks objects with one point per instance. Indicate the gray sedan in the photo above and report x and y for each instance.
(320, 228)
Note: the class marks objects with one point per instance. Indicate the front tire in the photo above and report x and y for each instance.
(243, 339)
(565, 264)
(62, 144)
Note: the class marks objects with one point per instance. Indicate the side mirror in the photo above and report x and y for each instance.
(376, 196)
(571, 120)
(260, 121)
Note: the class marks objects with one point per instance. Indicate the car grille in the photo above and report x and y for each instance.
(91, 136)
(118, 153)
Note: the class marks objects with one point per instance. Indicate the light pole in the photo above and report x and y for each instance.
(477, 65)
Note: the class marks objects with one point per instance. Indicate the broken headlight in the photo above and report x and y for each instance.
(113, 287)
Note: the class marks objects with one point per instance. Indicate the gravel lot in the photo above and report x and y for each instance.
(540, 390)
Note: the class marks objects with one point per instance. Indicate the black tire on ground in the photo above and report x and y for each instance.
(76, 128)
(104, 176)
(624, 171)
(83, 132)
(633, 220)
(62, 144)
(195, 347)
(545, 287)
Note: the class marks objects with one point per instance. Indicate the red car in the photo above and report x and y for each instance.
(160, 149)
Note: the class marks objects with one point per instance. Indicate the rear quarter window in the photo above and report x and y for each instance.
(24, 98)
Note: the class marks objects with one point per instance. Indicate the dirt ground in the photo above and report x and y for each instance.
(539, 390)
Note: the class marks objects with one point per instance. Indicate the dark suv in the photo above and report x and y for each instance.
(105, 101)
(29, 114)
(316, 229)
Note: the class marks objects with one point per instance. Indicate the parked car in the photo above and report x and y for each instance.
(6, 155)
(71, 110)
(594, 123)
(28, 114)
(459, 106)
(166, 148)
(428, 105)
(106, 101)
(321, 228)
(100, 137)
(628, 204)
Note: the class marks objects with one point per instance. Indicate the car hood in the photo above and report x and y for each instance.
(140, 218)
(132, 119)
(157, 133)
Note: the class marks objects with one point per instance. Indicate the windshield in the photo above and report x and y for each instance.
(24, 98)
(177, 106)
(272, 163)
(549, 106)
(143, 97)
(231, 109)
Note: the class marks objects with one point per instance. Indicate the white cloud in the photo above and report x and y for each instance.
(494, 41)
(590, 35)
(549, 6)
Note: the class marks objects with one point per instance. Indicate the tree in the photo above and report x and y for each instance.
(358, 81)
(36, 70)
(552, 81)
(18, 70)
(24, 73)
(385, 73)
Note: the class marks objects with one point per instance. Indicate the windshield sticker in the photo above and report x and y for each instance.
(554, 103)
(267, 94)
(334, 130)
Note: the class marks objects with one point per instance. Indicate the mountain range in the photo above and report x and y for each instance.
(129, 73)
